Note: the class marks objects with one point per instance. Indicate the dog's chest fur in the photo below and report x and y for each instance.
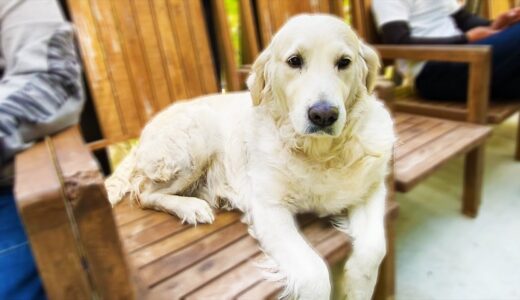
(307, 186)
(315, 187)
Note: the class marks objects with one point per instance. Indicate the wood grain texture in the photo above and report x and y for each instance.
(99, 241)
(41, 204)
(497, 113)
(247, 274)
(140, 56)
(198, 266)
(174, 242)
(272, 14)
(473, 179)
(428, 144)
(93, 58)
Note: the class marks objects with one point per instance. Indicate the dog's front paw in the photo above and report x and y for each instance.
(360, 279)
(194, 210)
(313, 284)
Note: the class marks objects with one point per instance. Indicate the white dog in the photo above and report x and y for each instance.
(310, 137)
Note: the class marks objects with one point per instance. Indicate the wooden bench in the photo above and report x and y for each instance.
(138, 60)
(83, 248)
(478, 90)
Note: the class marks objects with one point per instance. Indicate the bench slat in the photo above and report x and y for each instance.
(498, 111)
(326, 240)
(423, 138)
(418, 157)
(185, 237)
(226, 261)
(113, 52)
(137, 226)
(184, 258)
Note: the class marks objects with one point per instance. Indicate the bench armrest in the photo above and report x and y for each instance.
(61, 199)
(467, 54)
(478, 57)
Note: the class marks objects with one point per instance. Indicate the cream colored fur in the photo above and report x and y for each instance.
(253, 151)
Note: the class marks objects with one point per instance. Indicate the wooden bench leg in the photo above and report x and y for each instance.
(385, 287)
(473, 177)
(517, 154)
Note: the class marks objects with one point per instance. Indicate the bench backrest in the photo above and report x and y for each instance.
(262, 18)
(363, 20)
(140, 56)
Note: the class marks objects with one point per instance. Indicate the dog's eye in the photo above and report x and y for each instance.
(343, 63)
(295, 61)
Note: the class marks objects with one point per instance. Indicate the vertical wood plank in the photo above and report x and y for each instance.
(184, 44)
(200, 38)
(151, 48)
(138, 71)
(478, 93)
(168, 47)
(250, 42)
(97, 73)
(263, 8)
(473, 179)
(118, 70)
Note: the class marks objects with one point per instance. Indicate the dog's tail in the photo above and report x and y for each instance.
(119, 185)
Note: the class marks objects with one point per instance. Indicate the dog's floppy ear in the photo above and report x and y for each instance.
(373, 64)
(257, 81)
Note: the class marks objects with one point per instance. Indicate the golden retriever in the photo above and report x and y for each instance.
(310, 136)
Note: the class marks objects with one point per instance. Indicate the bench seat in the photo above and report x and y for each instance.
(424, 144)
(214, 261)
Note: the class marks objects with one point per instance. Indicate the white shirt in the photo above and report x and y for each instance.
(426, 18)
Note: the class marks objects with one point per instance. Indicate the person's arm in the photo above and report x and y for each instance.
(474, 28)
(506, 19)
(398, 32)
(466, 20)
(41, 91)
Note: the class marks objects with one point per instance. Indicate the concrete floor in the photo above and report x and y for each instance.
(442, 254)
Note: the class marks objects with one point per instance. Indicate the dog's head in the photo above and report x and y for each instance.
(314, 72)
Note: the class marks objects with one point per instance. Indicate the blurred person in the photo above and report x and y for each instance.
(40, 93)
(447, 22)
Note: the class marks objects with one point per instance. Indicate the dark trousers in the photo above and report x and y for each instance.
(449, 81)
(19, 278)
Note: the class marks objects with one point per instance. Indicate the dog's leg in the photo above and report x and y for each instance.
(365, 224)
(306, 273)
(189, 209)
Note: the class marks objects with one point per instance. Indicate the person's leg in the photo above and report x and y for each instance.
(506, 62)
(443, 81)
(449, 81)
(19, 278)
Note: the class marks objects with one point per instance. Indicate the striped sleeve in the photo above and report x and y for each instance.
(41, 90)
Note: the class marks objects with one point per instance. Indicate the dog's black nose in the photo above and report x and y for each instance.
(323, 114)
